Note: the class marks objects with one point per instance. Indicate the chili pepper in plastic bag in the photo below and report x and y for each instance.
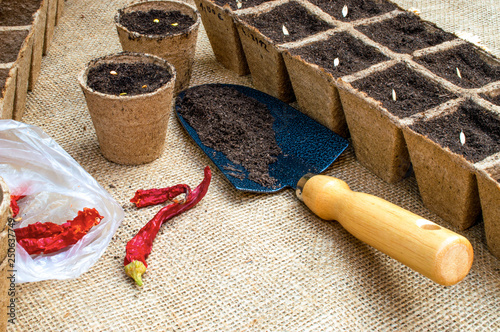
(140, 246)
(13, 204)
(149, 197)
(48, 237)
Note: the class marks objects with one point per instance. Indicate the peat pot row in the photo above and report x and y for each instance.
(411, 96)
(26, 30)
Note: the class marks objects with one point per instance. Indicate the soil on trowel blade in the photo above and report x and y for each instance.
(127, 79)
(156, 22)
(237, 125)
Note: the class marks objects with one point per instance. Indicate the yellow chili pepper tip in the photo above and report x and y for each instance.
(135, 270)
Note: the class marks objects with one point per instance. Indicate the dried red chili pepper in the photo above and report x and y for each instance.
(139, 248)
(149, 197)
(13, 204)
(46, 238)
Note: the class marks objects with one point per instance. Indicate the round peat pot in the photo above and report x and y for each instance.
(130, 126)
(168, 29)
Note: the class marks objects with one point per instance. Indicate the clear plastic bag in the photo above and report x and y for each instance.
(57, 187)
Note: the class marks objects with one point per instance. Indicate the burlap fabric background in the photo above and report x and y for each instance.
(238, 261)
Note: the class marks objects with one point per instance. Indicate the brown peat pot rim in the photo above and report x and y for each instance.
(116, 57)
(183, 7)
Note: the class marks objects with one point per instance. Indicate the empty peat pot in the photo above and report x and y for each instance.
(131, 115)
(168, 29)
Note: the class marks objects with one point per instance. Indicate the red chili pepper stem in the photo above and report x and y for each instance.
(140, 246)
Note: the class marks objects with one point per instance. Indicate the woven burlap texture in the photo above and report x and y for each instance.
(239, 261)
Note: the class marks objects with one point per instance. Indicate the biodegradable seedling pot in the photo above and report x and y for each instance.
(131, 129)
(313, 68)
(263, 34)
(8, 77)
(376, 104)
(223, 36)
(464, 65)
(16, 49)
(489, 194)
(405, 33)
(445, 150)
(352, 10)
(178, 48)
(28, 15)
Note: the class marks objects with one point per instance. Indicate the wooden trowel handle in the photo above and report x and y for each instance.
(432, 250)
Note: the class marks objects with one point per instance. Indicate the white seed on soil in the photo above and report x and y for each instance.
(336, 62)
(113, 72)
(458, 73)
(285, 31)
(238, 4)
(394, 95)
(174, 24)
(462, 138)
(156, 20)
(344, 11)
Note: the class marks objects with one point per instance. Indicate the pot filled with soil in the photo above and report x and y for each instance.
(376, 106)
(15, 55)
(464, 65)
(168, 29)
(352, 10)
(313, 68)
(129, 97)
(263, 33)
(23, 14)
(217, 18)
(405, 33)
(446, 149)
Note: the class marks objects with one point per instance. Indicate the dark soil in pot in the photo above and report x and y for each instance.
(156, 22)
(237, 125)
(126, 78)
(244, 3)
(352, 54)
(480, 127)
(414, 93)
(18, 12)
(11, 42)
(405, 33)
(296, 19)
(474, 70)
(356, 9)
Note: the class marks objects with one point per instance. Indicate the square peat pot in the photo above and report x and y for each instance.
(377, 104)
(16, 48)
(464, 65)
(489, 194)
(263, 32)
(445, 150)
(354, 9)
(405, 33)
(313, 68)
(28, 13)
(217, 18)
(8, 76)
